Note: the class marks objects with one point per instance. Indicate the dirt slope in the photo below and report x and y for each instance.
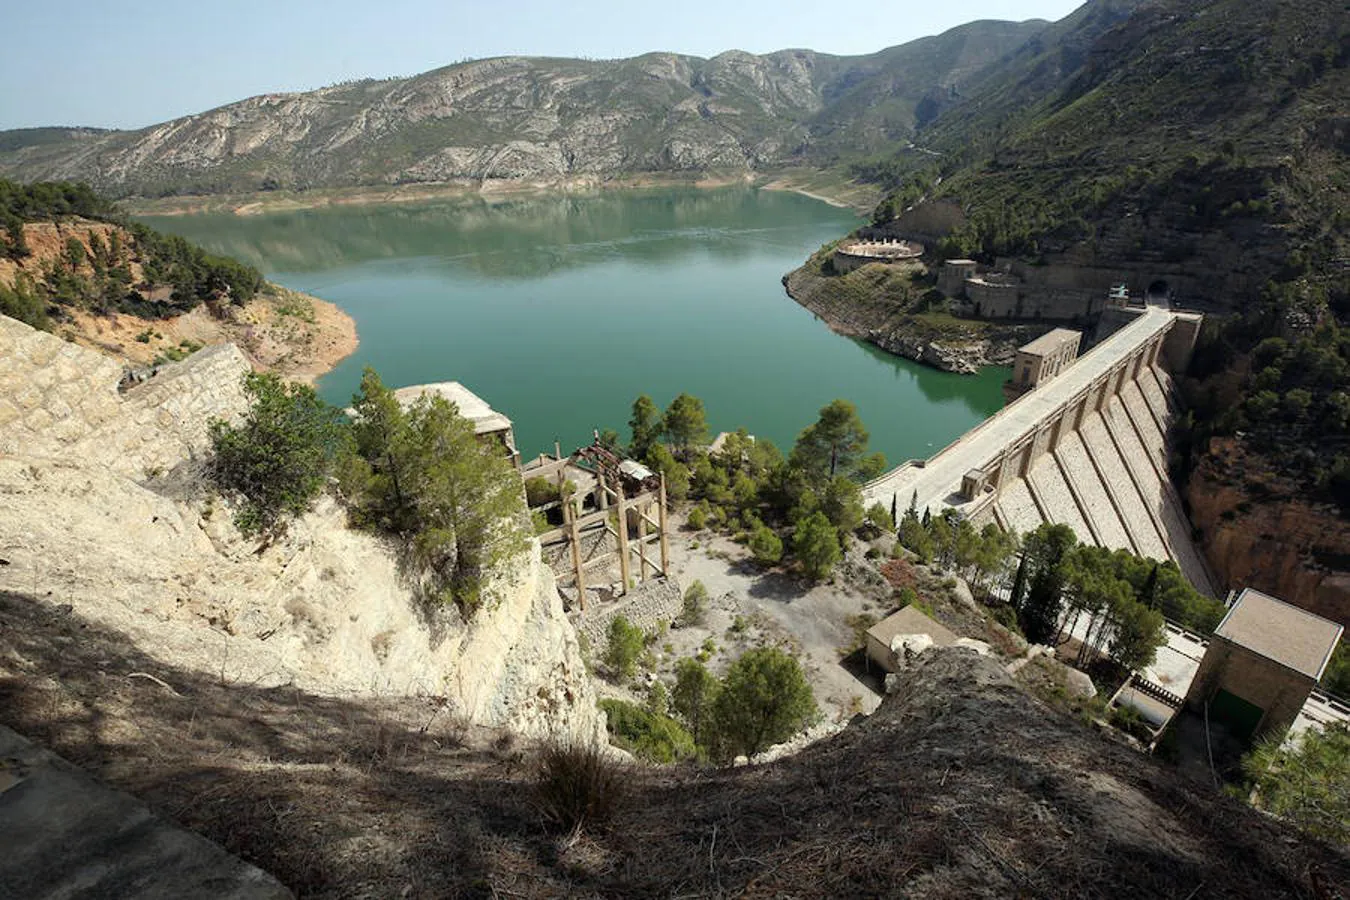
(960, 786)
(298, 336)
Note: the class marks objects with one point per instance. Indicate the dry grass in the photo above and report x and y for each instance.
(579, 786)
(960, 786)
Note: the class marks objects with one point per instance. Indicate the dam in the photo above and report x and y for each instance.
(1086, 448)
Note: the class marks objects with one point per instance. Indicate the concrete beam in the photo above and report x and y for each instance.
(69, 835)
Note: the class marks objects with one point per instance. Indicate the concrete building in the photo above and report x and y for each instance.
(1262, 663)
(907, 621)
(1041, 360)
(488, 424)
(952, 278)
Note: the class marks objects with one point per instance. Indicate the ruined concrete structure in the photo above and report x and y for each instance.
(856, 254)
(1088, 449)
(1262, 663)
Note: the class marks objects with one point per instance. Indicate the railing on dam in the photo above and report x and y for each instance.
(938, 480)
(1133, 506)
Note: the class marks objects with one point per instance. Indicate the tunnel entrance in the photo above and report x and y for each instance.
(1158, 293)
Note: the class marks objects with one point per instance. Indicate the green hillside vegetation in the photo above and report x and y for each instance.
(1216, 111)
(97, 274)
(809, 501)
(1160, 131)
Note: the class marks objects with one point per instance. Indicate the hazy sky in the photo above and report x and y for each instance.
(132, 63)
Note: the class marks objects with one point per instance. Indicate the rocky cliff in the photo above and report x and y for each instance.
(105, 515)
(515, 118)
(1260, 530)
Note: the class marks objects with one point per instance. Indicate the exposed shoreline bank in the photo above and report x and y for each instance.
(961, 346)
(832, 189)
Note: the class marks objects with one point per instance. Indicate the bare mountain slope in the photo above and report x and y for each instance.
(530, 117)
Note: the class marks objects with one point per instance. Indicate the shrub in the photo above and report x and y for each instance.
(765, 545)
(579, 785)
(879, 518)
(626, 642)
(816, 545)
(698, 517)
(23, 303)
(694, 698)
(539, 491)
(695, 604)
(648, 735)
(279, 457)
(1306, 783)
(764, 699)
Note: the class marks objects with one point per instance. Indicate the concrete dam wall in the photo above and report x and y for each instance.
(1087, 449)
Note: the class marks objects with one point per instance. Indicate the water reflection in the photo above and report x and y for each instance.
(560, 310)
(530, 237)
(943, 387)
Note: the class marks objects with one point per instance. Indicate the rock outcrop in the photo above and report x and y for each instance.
(1262, 531)
(103, 511)
(867, 312)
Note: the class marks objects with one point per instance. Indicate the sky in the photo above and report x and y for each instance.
(138, 62)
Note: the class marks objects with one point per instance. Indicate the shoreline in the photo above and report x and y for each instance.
(297, 336)
(966, 350)
(819, 186)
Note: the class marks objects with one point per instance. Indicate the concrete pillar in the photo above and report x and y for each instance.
(661, 518)
(1179, 343)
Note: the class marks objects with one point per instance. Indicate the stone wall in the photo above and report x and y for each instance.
(51, 392)
(61, 400)
(648, 606)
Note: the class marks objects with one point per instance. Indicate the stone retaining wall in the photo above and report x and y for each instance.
(648, 606)
(60, 400)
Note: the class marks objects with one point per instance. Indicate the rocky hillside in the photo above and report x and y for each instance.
(534, 118)
(1202, 141)
(107, 516)
(72, 264)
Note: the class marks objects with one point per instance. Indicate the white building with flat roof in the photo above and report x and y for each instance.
(487, 422)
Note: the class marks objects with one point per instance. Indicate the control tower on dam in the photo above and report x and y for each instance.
(1084, 444)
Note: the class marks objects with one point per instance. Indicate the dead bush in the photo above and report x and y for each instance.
(579, 785)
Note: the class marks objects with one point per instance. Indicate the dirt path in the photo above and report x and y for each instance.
(777, 607)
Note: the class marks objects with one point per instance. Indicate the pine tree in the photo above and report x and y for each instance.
(645, 426)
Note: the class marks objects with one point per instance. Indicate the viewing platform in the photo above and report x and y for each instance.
(856, 254)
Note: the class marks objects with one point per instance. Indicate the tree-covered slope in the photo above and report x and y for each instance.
(532, 118)
(1219, 116)
(119, 266)
(1204, 144)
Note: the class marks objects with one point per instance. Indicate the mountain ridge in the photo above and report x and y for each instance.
(518, 117)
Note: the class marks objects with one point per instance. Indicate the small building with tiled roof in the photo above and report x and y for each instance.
(1261, 664)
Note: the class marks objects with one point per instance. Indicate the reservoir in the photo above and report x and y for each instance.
(559, 310)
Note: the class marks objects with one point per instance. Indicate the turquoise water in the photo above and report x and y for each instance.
(558, 311)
